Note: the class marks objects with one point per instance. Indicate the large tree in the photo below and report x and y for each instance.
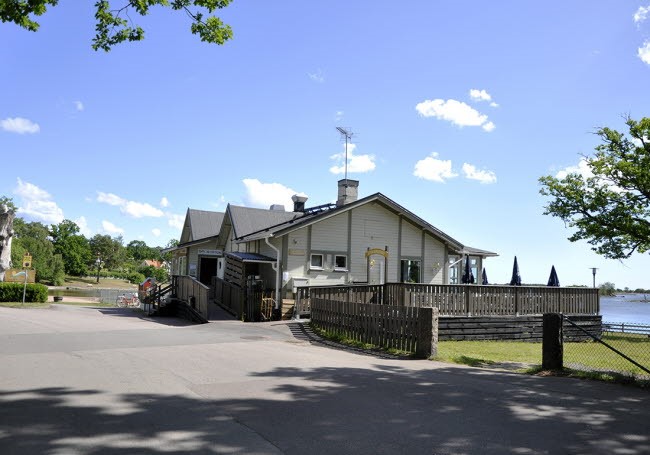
(73, 247)
(34, 238)
(609, 205)
(114, 23)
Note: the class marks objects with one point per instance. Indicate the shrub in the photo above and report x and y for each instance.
(13, 292)
(135, 278)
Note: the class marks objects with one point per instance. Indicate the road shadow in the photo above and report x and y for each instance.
(386, 409)
(136, 313)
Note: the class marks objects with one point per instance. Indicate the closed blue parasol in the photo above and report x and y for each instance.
(485, 280)
(468, 276)
(516, 277)
(553, 280)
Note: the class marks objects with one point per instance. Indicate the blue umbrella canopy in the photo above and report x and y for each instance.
(553, 280)
(468, 276)
(516, 277)
(484, 280)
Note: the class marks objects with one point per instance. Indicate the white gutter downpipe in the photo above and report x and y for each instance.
(275, 267)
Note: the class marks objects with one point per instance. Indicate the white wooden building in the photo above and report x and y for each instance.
(369, 240)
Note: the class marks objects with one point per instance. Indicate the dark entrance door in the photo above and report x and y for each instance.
(208, 269)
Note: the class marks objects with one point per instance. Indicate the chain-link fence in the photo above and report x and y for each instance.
(622, 349)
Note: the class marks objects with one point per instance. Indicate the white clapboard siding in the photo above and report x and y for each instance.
(411, 241)
(373, 227)
(330, 234)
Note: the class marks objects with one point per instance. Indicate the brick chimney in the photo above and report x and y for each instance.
(348, 191)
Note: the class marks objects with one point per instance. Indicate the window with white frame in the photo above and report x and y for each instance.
(340, 263)
(316, 262)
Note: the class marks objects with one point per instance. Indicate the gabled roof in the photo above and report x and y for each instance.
(307, 219)
(201, 224)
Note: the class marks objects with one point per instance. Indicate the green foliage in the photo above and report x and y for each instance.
(135, 277)
(110, 251)
(8, 202)
(607, 289)
(139, 251)
(159, 274)
(34, 238)
(73, 248)
(18, 12)
(611, 209)
(115, 25)
(13, 292)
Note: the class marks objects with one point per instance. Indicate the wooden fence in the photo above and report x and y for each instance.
(409, 329)
(195, 293)
(244, 304)
(461, 300)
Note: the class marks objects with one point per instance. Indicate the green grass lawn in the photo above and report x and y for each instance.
(26, 305)
(104, 283)
(482, 353)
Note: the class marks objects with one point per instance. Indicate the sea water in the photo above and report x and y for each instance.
(632, 308)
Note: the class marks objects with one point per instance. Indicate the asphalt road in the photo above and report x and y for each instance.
(105, 381)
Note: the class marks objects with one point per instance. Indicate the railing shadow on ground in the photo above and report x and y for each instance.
(381, 409)
(136, 313)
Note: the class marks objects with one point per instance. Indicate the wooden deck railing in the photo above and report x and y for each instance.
(246, 305)
(461, 300)
(193, 292)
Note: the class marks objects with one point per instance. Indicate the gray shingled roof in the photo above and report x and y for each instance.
(247, 220)
(204, 223)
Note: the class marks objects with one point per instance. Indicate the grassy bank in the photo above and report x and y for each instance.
(588, 360)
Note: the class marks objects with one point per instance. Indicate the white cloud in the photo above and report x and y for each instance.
(111, 229)
(317, 76)
(431, 168)
(582, 168)
(641, 14)
(454, 111)
(83, 227)
(131, 208)
(472, 173)
(175, 221)
(339, 115)
(141, 210)
(644, 52)
(489, 126)
(479, 95)
(155, 232)
(19, 125)
(264, 195)
(356, 163)
(110, 199)
(79, 106)
(493, 104)
(164, 202)
(38, 204)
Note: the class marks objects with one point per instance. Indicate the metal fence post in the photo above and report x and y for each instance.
(552, 342)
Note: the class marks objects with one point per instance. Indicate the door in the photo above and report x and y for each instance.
(208, 270)
(376, 267)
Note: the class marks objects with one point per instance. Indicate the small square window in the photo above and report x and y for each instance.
(316, 261)
(340, 262)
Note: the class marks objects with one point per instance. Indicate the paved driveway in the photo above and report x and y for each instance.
(88, 381)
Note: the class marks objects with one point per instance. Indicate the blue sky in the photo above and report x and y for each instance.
(457, 109)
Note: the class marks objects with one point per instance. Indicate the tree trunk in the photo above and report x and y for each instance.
(6, 233)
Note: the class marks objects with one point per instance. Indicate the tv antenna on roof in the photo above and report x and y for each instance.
(347, 132)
